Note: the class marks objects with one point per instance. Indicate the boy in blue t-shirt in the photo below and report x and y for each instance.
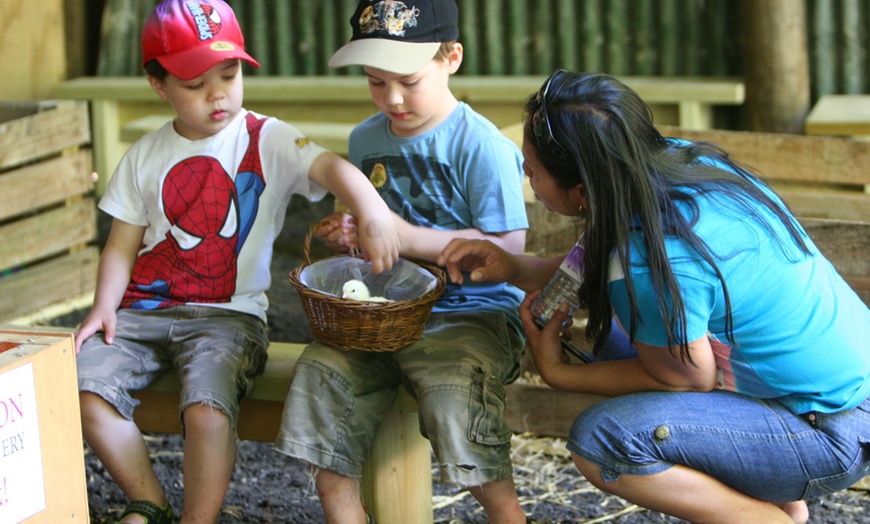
(446, 173)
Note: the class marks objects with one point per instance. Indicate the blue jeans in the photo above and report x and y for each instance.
(754, 445)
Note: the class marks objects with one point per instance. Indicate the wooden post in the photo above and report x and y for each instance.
(777, 65)
(399, 489)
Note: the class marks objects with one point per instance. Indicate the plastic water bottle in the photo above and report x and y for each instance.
(563, 287)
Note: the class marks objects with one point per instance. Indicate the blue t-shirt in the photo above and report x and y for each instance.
(462, 174)
(802, 335)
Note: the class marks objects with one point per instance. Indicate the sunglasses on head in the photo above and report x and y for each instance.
(541, 128)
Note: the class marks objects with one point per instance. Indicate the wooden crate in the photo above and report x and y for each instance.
(42, 467)
(817, 176)
(48, 221)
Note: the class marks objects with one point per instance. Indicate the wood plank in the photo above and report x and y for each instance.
(550, 233)
(779, 156)
(118, 100)
(136, 129)
(38, 185)
(331, 135)
(50, 128)
(846, 244)
(44, 316)
(47, 234)
(653, 89)
(542, 410)
(48, 283)
(850, 205)
(839, 115)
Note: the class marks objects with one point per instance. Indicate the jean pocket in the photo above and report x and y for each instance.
(827, 485)
(486, 424)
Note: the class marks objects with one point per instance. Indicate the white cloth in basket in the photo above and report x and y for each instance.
(404, 281)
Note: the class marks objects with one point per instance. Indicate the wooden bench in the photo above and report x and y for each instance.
(331, 135)
(116, 101)
(397, 478)
(839, 115)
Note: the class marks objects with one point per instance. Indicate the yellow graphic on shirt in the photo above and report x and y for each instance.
(302, 142)
(378, 176)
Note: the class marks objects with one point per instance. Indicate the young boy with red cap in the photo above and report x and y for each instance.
(196, 207)
(447, 173)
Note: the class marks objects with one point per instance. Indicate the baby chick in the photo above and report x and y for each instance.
(357, 290)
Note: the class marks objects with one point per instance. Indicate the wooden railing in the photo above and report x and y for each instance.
(116, 101)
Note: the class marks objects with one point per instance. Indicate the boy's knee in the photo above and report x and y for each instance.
(94, 407)
(203, 417)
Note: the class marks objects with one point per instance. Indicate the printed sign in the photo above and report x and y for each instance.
(22, 486)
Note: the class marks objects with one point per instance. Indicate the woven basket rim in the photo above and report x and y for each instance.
(407, 318)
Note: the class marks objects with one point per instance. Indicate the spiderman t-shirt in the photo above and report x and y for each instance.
(212, 209)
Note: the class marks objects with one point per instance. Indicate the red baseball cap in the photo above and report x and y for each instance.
(189, 37)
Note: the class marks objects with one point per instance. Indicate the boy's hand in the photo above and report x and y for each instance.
(378, 236)
(94, 322)
(339, 232)
(481, 258)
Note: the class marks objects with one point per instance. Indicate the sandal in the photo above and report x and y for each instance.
(153, 514)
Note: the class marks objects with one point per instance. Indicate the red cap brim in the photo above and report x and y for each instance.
(194, 62)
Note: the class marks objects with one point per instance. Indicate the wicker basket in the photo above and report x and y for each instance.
(369, 326)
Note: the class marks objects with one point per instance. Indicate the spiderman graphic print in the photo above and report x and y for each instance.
(211, 215)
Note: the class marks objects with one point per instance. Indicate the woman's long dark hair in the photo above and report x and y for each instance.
(604, 138)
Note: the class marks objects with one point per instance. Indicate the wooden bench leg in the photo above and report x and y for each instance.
(105, 117)
(397, 480)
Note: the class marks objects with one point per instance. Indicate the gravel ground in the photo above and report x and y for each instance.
(267, 487)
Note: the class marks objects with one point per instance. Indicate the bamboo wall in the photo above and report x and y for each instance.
(838, 46)
(518, 37)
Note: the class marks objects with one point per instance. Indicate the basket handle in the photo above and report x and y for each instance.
(306, 245)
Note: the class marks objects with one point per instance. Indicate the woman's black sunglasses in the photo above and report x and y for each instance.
(541, 128)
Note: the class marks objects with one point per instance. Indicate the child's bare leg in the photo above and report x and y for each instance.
(688, 494)
(797, 510)
(209, 458)
(119, 445)
(499, 500)
(340, 498)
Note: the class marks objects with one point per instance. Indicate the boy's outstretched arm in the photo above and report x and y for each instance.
(376, 229)
(427, 243)
(116, 265)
